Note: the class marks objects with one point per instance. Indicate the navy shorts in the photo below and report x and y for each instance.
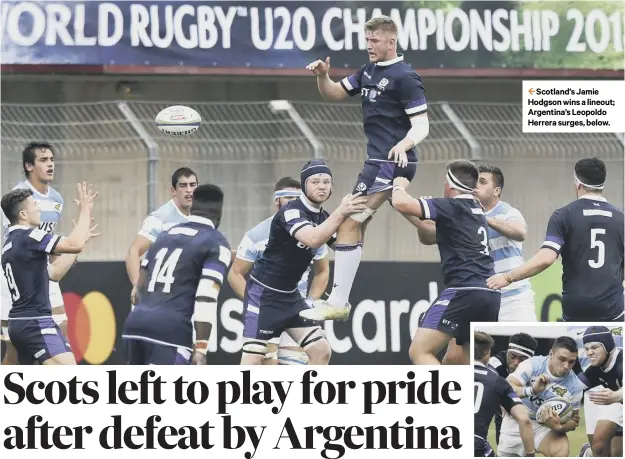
(37, 340)
(455, 309)
(268, 312)
(481, 448)
(377, 176)
(139, 352)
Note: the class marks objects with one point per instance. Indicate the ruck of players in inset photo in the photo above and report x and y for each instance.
(179, 261)
(554, 390)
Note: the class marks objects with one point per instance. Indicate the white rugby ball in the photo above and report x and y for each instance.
(178, 120)
(560, 405)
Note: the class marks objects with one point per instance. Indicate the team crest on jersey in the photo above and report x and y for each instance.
(382, 84)
(58, 208)
(361, 186)
(560, 391)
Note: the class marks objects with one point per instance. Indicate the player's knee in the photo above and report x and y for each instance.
(358, 219)
(558, 446)
(316, 347)
(414, 353)
(600, 446)
(255, 348)
(292, 357)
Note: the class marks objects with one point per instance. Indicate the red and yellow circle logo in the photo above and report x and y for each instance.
(91, 326)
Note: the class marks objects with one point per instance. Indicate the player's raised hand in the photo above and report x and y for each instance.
(540, 384)
(353, 204)
(398, 155)
(92, 232)
(319, 67)
(86, 196)
(498, 281)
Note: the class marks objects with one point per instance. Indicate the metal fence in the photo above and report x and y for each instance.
(246, 147)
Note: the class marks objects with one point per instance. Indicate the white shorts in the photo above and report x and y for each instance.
(518, 308)
(510, 439)
(594, 413)
(56, 297)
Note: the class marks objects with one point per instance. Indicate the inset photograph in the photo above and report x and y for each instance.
(548, 390)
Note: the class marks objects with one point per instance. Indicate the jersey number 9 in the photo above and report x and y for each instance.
(8, 273)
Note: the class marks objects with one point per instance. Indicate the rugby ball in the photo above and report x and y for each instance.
(560, 405)
(178, 120)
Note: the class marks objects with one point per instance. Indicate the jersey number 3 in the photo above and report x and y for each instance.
(164, 267)
(599, 245)
(484, 235)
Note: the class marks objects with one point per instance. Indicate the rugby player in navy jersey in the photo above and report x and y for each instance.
(395, 121)
(492, 391)
(605, 370)
(272, 300)
(461, 233)
(588, 234)
(181, 276)
(32, 330)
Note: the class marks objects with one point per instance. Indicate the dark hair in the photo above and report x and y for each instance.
(287, 182)
(482, 344)
(182, 172)
(495, 171)
(591, 171)
(12, 203)
(208, 201)
(525, 340)
(465, 171)
(565, 342)
(29, 154)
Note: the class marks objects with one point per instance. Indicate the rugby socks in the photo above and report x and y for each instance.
(346, 261)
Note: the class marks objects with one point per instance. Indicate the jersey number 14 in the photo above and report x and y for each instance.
(164, 267)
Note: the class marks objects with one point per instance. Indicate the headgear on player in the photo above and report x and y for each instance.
(601, 335)
(314, 167)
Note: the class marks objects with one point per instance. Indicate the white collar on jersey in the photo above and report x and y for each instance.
(465, 196)
(20, 227)
(399, 58)
(593, 197)
(178, 209)
(611, 360)
(309, 205)
(30, 185)
(202, 220)
(479, 364)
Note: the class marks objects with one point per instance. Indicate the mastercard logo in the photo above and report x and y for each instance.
(91, 327)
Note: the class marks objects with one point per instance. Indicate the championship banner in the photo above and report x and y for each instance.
(283, 37)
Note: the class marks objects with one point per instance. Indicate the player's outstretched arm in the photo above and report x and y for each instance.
(519, 414)
(537, 264)
(140, 245)
(329, 90)
(315, 236)
(62, 264)
(319, 282)
(514, 230)
(237, 276)
(606, 396)
(75, 242)
(402, 201)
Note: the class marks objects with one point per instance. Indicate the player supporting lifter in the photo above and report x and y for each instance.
(38, 165)
(461, 233)
(174, 211)
(282, 349)
(588, 233)
(535, 381)
(272, 300)
(33, 332)
(492, 391)
(395, 121)
(603, 373)
(184, 270)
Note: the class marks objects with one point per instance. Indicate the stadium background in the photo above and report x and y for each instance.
(100, 118)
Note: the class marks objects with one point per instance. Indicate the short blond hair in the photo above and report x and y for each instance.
(383, 23)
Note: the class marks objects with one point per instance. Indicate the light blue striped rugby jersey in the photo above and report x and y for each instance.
(51, 205)
(577, 333)
(569, 386)
(507, 254)
(163, 218)
(253, 245)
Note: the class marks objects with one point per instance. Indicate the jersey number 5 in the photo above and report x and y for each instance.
(478, 394)
(8, 273)
(599, 245)
(164, 267)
